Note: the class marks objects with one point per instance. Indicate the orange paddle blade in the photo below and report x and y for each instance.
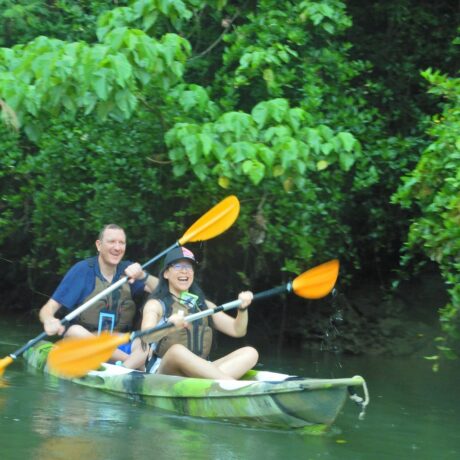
(4, 363)
(214, 222)
(75, 357)
(318, 281)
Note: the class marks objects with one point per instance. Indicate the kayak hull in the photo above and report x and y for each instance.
(262, 399)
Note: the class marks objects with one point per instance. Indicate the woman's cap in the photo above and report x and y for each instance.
(178, 254)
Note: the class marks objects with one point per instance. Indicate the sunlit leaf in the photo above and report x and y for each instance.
(278, 171)
(224, 182)
(288, 185)
(321, 165)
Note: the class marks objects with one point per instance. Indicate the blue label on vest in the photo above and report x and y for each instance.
(106, 322)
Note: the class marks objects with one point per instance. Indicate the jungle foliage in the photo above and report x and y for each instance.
(335, 123)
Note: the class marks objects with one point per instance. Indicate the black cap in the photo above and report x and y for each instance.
(178, 254)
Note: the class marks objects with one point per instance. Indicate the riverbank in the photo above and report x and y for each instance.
(402, 323)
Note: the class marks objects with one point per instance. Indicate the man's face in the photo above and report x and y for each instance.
(112, 246)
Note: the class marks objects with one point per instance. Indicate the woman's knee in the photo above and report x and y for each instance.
(252, 354)
(139, 346)
(77, 331)
(176, 352)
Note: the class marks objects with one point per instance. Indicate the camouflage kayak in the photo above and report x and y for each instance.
(261, 398)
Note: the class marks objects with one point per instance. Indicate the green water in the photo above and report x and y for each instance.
(413, 414)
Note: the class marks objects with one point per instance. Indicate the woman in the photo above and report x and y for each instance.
(184, 349)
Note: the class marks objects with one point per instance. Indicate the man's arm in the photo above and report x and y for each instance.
(135, 272)
(151, 282)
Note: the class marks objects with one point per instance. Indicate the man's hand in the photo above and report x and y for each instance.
(134, 272)
(53, 326)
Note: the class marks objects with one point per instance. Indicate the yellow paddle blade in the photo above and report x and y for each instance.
(76, 356)
(318, 281)
(4, 363)
(214, 222)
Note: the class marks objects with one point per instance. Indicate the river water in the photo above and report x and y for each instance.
(413, 414)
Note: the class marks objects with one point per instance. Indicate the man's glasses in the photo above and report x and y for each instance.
(182, 266)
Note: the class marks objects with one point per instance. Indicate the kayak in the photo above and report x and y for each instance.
(260, 399)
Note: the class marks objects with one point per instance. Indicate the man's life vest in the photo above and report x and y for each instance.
(118, 305)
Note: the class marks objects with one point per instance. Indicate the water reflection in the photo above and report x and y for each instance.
(412, 415)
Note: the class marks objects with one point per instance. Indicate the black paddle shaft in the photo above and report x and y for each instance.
(274, 291)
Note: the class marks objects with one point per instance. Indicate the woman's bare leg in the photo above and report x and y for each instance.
(136, 360)
(237, 363)
(179, 360)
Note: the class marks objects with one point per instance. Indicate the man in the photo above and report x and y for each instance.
(114, 312)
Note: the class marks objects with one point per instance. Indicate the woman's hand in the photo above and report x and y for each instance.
(178, 320)
(245, 298)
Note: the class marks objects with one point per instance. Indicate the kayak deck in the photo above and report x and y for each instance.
(261, 398)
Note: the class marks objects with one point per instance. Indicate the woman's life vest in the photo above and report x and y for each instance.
(197, 338)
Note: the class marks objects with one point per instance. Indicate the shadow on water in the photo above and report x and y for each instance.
(412, 415)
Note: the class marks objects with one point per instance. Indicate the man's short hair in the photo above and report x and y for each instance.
(109, 227)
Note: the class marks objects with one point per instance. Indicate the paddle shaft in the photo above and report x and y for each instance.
(74, 313)
(211, 311)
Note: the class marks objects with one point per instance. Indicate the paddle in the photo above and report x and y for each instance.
(213, 223)
(75, 357)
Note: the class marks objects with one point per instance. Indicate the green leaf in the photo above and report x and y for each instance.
(255, 170)
(179, 169)
(327, 148)
(348, 141)
(278, 109)
(268, 75)
(192, 147)
(266, 154)
(104, 108)
(325, 132)
(277, 134)
(234, 122)
(313, 139)
(201, 171)
(100, 85)
(115, 38)
(278, 170)
(259, 113)
(33, 131)
(240, 151)
(126, 102)
(431, 358)
(295, 118)
(122, 68)
(206, 144)
(346, 161)
(321, 165)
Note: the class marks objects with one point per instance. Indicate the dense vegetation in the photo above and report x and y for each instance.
(335, 123)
